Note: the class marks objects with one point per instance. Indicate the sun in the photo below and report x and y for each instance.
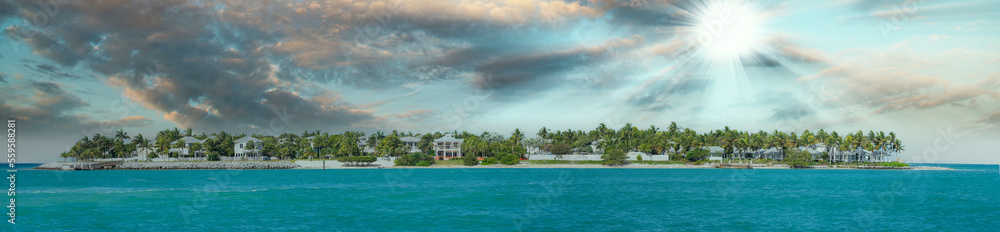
(728, 30)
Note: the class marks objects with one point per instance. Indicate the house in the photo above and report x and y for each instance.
(184, 151)
(448, 147)
(363, 144)
(595, 144)
(410, 143)
(243, 150)
(715, 152)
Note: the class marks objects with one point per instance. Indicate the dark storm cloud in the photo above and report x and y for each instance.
(646, 16)
(50, 71)
(7, 9)
(531, 71)
(174, 57)
(43, 102)
(233, 64)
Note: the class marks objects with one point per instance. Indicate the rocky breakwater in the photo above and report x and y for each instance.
(207, 165)
(168, 165)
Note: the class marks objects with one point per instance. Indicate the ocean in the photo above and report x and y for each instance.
(967, 199)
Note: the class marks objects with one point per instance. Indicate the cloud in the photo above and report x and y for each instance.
(987, 124)
(47, 106)
(50, 71)
(7, 9)
(662, 91)
(785, 48)
(3, 77)
(414, 115)
(130, 121)
(175, 58)
(901, 78)
(526, 74)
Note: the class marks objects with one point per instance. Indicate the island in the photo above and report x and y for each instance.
(602, 147)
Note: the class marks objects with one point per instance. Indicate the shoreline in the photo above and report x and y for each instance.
(228, 165)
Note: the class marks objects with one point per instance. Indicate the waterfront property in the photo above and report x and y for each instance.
(410, 144)
(448, 147)
(363, 145)
(183, 147)
(248, 148)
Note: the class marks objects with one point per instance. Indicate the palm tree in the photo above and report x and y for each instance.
(544, 132)
(189, 132)
(142, 143)
(120, 137)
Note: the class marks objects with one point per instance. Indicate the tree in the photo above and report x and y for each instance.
(544, 132)
(697, 154)
(357, 160)
(799, 158)
(390, 146)
(426, 143)
(348, 147)
(413, 159)
(560, 149)
(614, 157)
(195, 148)
(510, 159)
(470, 160)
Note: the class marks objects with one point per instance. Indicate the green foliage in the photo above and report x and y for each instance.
(561, 148)
(357, 160)
(348, 147)
(424, 163)
(798, 158)
(825, 156)
(213, 156)
(614, 157)
(390, 146)
(490, 161)
(676, 156)
(894, 164)
(414, 159)
(470, 160)
(697, 154)
(565, 162)
(659, 162)
(638, 157)
(509, 159)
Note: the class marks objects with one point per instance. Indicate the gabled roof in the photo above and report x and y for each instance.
(448, 138)
(409, 139)
(190, 139)
(246, 139)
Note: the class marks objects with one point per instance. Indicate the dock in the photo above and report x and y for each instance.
(89, 166)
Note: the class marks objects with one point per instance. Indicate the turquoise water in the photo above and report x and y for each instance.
(510, 200)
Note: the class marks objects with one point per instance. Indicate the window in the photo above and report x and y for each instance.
(241, 146)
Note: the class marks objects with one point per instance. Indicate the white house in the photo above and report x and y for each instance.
(363, 144)
(184, 151)
(594, 144)
(410, 143)
(715, 152)
(448, 147)
(243, 150)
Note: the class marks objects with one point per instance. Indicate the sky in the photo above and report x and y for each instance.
(927, 70)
